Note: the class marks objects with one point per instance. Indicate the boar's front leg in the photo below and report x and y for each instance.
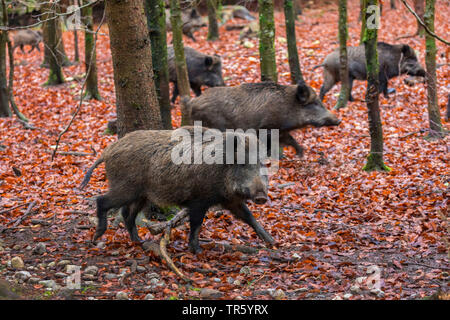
(241, 211)
(287, 139)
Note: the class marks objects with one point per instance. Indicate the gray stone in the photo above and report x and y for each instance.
(17, 263)
(347, 296)
(49, 284)
(60, 275)
(63, 263)
(23, 275)
(149, 297)
(91, 270)
(207, 293)
(40, 248)
(245, 270)
(121, 295)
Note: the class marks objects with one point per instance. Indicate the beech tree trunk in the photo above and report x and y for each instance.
(343, 59)
(294, 62)
(136, 102)
(434, 117)
(213, 27)
(419, 8)
(375, 158)
(5, 111)
(156, 20)
(90, 55)
(267, 58)
(180, 60)
(51, 40)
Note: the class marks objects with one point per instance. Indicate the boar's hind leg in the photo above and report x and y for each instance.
(104, 203)
(328, 83)
(197, 212)
(197, 89)
(241, 211)
(287, 139)
(129, 214)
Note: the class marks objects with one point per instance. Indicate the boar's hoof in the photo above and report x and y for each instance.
(195, 248)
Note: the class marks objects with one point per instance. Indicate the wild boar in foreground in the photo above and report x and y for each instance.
(142, 168)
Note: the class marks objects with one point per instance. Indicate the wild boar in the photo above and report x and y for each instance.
(27, 37)
(191, 21)
(265, 105)
(394, 60)
(202, 70)
(141, 169)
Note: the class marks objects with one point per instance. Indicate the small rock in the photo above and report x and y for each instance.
(237, 282)
(230, 280)
(207, 293)
(154, 281)
(17, 263)
(51, 265)
(355, 289)
(245, 270)
(296, 256)
(28, 248)
(121, 295)
(40, 248)
(377, 292)
(278, 294)
(152, 275)
(91, 270)
(60, 275)
(49, 284)
(34, 280)
(101, 245)
(347, 296)
(141, 269)
(149, 297)
(114, 253)
(360, 280)
(216, 280)
(110, 276)
(23, 275)
(63, 263)
(16, 247)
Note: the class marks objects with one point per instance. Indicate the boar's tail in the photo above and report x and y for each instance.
(185, 107)
(88, 175)
(318, 66)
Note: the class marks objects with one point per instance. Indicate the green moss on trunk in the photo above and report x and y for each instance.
(267, 41)
(213, 27)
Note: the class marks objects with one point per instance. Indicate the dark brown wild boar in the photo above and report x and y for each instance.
(140, 169)
(203, 70)
(390, 57)
(263, 105)
(27, 37)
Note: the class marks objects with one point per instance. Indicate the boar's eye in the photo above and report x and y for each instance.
(208, 61)
(302, 92)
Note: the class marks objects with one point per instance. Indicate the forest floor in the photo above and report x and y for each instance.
(340, 232)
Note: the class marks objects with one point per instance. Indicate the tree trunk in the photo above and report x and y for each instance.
(156, 20)
(51, 46)
(343, 60)
(90, 55)
(419, 8)
(50, 9)
(136, 101)
(180, 61)
(213, 27)
(294, 63)
(75, 39)
(393, 6)
(447, 113)
(375, 158)
(362, 18)
(5, 111)
(267, 41)
(434, 117)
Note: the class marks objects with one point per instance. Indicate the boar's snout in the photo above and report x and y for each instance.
(332, 121)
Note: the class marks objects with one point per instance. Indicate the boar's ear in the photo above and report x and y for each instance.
(302, 92)
(208, 61)
(407, 50)
(194, 13)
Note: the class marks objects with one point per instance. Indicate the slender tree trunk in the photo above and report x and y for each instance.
(393, 6)
(419, 8)
(294, 62)
(213, 27)
(75, 39)
(375, 158)
(180, 60)
(343, 59)
(136, 102)
(90, 55)
(362, 18)
(434, 117)
(447, 112)
(51, 45)
(5, 111)
(156, 20)
(267, 41)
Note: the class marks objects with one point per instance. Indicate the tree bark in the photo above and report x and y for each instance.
(294, 62)
(393, 6)
(136, 101)
(434, 117)
(51, 41)
(375, 158)
(419, 8)
(343, 59)
(180, 60)
(213, 27)
(90, 55)
(267, 41)
(156, 20)
(362, 18)
(75, 39)
(5, 111)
